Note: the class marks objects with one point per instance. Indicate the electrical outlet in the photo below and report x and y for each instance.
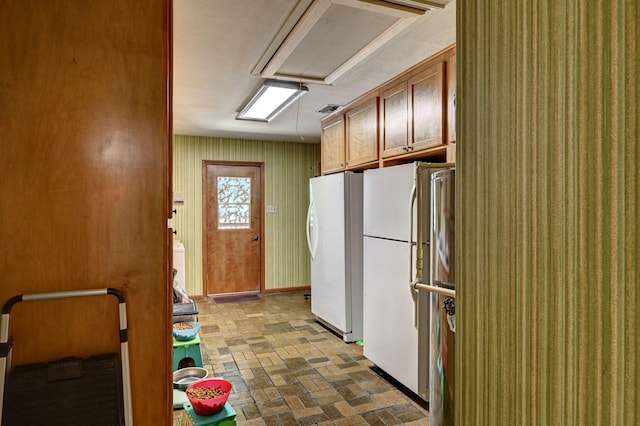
(272, 209)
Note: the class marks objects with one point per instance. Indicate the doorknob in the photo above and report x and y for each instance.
(256, 238)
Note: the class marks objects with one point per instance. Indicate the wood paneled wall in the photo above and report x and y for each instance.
(548, 195)
(83, 182)
(288, 167)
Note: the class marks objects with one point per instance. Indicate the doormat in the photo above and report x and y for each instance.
(237, 299)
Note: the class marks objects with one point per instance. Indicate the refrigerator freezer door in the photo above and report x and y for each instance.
(444, 229)
(387, 202)
(328, 277)
(335, 241)
(390, 336)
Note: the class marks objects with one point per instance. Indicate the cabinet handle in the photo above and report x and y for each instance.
(409, 148)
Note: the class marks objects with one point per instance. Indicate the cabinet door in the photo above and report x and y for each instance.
(427, 107)
(393, 120)
(451, 99)
(362, 133)
(332, 146)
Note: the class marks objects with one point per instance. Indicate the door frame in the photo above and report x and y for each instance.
(205, 256)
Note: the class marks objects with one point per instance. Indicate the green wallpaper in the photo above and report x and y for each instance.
(288, 167)
(548, 226)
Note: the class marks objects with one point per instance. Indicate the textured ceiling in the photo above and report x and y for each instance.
(217, 45)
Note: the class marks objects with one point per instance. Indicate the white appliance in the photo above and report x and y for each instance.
(396, 315)
(334, 237)
(179, 264)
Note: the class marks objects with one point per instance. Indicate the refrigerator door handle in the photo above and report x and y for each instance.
(312, 245)
(414, 295)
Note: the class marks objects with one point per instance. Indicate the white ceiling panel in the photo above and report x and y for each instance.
(331, 41)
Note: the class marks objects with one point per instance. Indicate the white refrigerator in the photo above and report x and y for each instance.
(396, 316)
(334, 237)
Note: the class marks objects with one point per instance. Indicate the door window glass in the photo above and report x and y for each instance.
(234, 202)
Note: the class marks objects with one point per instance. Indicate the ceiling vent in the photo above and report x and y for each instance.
(329, 108)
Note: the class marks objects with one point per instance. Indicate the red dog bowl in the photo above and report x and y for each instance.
(207, 397)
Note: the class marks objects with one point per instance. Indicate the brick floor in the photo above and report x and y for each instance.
(287, 369)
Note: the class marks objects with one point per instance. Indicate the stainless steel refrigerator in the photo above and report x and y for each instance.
(396, 315)
(334, 237)
(441, 288)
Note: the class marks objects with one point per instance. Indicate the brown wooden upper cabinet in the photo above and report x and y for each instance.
(394, 132)
(413, 112)
(451, 99)
(362, 132)
(408, 118)
(427, 105)
(332, 147)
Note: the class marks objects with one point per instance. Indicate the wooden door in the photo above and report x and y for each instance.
(393, 120)
(84, 98)
(332, 147)
(451, 99)
(232, 221)
(362, 133)
(427, 106)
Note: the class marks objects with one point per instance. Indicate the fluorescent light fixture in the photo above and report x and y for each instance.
(273, 97)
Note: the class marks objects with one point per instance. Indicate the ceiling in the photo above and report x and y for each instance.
(224, 49)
